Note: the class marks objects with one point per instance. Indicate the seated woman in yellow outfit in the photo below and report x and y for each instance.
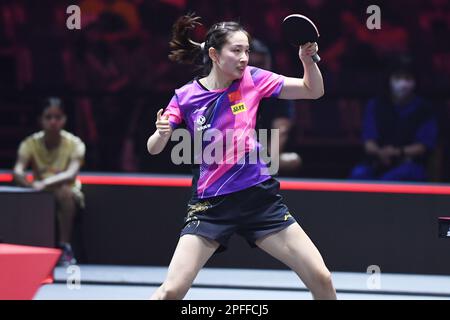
(55, 156)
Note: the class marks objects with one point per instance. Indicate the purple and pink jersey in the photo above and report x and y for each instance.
(233, 109)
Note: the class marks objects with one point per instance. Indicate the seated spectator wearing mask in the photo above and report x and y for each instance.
(399, 131)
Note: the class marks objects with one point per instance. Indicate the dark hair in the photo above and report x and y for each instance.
(402, 65)
(186, 51)
(52, 102)
(399, 66)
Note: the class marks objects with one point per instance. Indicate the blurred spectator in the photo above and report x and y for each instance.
(275, 113)
(117, 19)
(434, 26)
(55, 156)
(399, 131)
(15, 56)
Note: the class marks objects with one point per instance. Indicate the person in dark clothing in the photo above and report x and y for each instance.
(399, 131)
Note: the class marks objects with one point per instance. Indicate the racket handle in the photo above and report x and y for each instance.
(315, 58)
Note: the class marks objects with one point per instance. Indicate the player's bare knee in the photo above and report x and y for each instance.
(323, 279)
(171, 291)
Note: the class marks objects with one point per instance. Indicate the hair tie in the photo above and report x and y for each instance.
(201, 45)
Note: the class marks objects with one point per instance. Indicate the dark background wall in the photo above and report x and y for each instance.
(398, 232)
(26, 217)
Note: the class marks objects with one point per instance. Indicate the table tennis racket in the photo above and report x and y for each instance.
(298, 30)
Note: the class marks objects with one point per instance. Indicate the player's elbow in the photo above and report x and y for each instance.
(152, 149)
(318, 94)
(315, 92)
(152, 152)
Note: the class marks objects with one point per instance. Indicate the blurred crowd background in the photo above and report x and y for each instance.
(114, 74)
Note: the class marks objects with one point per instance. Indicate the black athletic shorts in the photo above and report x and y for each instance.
(251, 213)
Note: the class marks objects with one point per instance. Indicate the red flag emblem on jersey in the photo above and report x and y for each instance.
(234, 96)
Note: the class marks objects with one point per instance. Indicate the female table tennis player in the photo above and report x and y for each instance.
(241, 197)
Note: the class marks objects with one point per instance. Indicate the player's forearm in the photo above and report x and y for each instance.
(156, 143)
(313, 80)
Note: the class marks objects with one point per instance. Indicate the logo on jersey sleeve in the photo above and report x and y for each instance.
(238, 108)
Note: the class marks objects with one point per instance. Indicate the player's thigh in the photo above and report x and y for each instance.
(191, 254)
(294, 248)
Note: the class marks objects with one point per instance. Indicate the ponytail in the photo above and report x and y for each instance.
(184, 50)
